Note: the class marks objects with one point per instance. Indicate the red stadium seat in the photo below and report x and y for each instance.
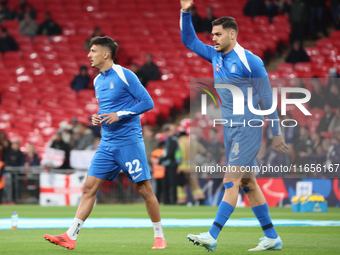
(86, 93)
(324, 43)
(306, 67)
(285, 67)
(312, 51)
(261, 20)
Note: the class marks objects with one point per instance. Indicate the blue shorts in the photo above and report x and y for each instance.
(241, 145)
(109, 161)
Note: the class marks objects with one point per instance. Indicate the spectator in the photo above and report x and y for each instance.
(334, 126)
(270, 9)
(97, 32)
(275, 158)
(95, 129)
(289, 132)
(81, 81)
(254, 8)
(329, 154)
(304, 144)
(317, 8)
(28, 26)
(2, 180)
(168, 160)
(66, 131)
(183, 171)
(198, 136)
(318, 98)
(21, 8)
(214, 111)
(94, 146)
(206, 23)
(74, 125)
(5, 13)
(151, 144)
(334, 96)
(333, 78)
(297, 54)
(135, 69)
(297, 83)
(158, 171)
(286, 7)
(5, 145)
(122, 56)
(82, 138)
(196, 20)
(149, 71)
(14, 157)
(59, 144)
(49, 27)
(317, 141)
(7, 42)
(335, 9)
(326, 119)
(215, 147)
(31, 157)
(298, 19)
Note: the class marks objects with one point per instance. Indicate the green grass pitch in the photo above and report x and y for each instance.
(296, 240)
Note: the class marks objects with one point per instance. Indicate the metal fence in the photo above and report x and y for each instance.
(23, 186)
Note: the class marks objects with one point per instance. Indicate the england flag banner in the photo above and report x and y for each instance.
(61, 189)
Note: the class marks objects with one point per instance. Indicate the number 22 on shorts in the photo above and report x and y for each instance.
(137, 168)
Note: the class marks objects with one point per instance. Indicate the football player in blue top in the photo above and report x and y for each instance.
(234, 65)
(118, 92)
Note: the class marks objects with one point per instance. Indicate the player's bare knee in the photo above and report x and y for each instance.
(248, 185)
(144, 193)
(87, 190)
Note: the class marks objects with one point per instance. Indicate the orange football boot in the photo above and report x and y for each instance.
(61, 240)
(159, 243)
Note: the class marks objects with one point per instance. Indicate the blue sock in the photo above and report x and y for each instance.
(262, 214)
(223, 213)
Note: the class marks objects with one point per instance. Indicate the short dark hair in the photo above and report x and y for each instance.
(226, 22)
(106, 42)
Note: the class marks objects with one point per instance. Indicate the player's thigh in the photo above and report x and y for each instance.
(132, 160)
(103, 165)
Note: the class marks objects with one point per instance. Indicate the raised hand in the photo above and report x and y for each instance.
(186, 5)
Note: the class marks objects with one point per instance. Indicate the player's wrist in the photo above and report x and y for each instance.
(186, 10)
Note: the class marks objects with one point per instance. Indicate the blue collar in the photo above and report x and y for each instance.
(107, 72)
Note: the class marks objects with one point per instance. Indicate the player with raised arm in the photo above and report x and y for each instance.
(232, 63)
(118, 92)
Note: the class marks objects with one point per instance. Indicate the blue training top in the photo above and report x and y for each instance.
(119, 90)
(238, 67)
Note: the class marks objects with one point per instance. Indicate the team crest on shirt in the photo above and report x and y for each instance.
(111, 85)
(97, 97)
(218, 66)
(233, 69)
